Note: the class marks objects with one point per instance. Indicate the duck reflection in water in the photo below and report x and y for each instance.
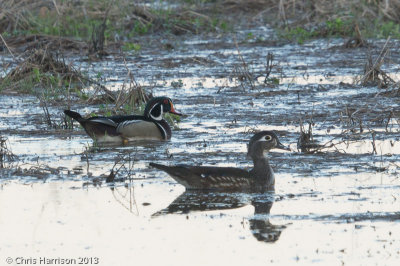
(260, 226)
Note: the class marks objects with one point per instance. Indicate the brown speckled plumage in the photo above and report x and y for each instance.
(260, 178)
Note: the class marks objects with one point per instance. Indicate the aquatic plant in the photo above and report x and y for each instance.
(6, 155)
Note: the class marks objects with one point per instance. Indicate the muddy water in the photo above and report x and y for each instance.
(337, 206)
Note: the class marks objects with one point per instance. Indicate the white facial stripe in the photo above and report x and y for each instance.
(262, 138)
(265, 138)
(152, 108)
(158, 118)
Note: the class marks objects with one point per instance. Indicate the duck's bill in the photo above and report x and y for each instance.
(173, 111)
(282, 147)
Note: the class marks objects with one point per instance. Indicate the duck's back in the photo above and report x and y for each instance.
(208, 177)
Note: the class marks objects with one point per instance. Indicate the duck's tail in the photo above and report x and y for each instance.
(74, 115)
(159, 166)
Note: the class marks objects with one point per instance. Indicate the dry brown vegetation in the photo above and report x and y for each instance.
(23, 15)
(40, 62)
(95, 28)
(42, 41)
(373, 74)
(124, 14)
(307, 11)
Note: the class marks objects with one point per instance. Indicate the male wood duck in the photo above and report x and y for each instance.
(260, 178)
(124, 128)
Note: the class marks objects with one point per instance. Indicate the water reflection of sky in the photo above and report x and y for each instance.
(56, 220)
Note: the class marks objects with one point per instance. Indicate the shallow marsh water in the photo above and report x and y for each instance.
(337, 207)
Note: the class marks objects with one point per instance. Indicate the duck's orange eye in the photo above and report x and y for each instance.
(268, 137)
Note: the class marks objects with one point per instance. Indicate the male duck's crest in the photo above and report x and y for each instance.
(157, 106)
(121, 129)
(260, 178)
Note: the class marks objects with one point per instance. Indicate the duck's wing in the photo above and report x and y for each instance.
(208, 177)
(122, 118)
(102, 120)
(115, 120)
(100, 128)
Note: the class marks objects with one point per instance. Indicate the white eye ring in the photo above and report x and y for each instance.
(268, 137)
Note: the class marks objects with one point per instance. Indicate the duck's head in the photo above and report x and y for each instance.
(157, 106)
(264, 141)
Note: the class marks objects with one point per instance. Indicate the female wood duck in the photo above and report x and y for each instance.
(123, 128)
(260, 178)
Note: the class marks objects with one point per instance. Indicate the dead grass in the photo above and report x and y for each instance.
(42, 62)
(178, 22)
(297, 11)
(306, 142)
(46, 70)
(249, 77)
(100, 23)
(128, 98)
(48, 42)
(373, 73)
(132, 93)
(122, 16)
(357, 41)
(13, 13)
(47, 76)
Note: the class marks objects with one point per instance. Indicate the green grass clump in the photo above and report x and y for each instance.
(134, 47)
(338, 28)
(341, 28)
(386, 29)
(48, 86)
(297, 34)
(330, 28)
(44, 75)
(123, 18)
(173, 120)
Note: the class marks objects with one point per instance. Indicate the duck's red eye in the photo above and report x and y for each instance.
(165, 101)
